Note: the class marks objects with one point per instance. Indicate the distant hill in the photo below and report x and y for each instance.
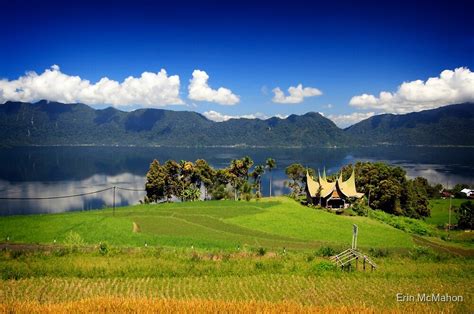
(448, 125)
(53, 123)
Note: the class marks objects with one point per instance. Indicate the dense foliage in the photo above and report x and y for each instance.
(465, 215)
(185, 180)
(387, 188)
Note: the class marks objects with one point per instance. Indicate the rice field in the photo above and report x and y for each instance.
(301, 291)
(267, 256)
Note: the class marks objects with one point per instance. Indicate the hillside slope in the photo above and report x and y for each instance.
(448, 125)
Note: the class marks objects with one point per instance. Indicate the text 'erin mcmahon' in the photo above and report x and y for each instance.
(429, 297)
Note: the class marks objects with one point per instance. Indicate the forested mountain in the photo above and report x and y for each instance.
(448, 125)
(53, 123)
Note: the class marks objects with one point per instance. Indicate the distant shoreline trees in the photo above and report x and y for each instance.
(187, 181)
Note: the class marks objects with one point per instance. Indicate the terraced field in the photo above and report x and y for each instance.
(272, 223)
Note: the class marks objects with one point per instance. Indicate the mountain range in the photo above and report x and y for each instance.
(53, 123)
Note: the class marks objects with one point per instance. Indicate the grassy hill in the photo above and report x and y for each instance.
(271, 223)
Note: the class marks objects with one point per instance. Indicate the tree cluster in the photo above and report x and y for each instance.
(387, 188)
(185, 180)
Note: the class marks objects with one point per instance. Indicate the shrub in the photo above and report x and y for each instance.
(326, 251)
(261, 251)
(103, 248)
(323, 266)
(376, 252)
(73, 241)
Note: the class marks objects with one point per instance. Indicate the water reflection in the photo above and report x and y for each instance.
(53, 171)
(31, 189)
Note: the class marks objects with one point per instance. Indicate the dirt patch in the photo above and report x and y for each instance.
(443, 248)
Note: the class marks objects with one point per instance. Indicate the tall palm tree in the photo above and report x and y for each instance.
(270, 164)
(257, 177)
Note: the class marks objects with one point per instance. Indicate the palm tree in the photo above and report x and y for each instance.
(257, 177)
(270, 164)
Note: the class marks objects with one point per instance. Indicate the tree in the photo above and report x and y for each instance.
(270, 164)
(297, 173)
(257, 179)
(205, 174)
(388, 189)
(155, 182)
(465, 214)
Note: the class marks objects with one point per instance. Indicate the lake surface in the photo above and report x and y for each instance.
(56, 171)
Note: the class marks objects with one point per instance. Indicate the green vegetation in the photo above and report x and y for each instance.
(270, 249)
(440, 211)
(465, 214)
(184, 180)
(273, 223)
(388, 189)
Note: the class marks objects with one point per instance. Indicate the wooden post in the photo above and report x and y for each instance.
(113, 211)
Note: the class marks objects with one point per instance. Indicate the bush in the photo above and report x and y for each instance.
(73, 241)
(103, 248)
(326, 251)
(261, 251)
(465, 215)
(376, 252)
(323, 266)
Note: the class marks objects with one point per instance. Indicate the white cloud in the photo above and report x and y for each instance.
(219, 117)
(150, 89)
(345, 120)
(449, 88)
(200, 90)
(296, 94)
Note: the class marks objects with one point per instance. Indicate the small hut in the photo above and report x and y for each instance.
(335, 195)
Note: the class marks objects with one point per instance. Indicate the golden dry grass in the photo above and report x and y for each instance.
(146, 305)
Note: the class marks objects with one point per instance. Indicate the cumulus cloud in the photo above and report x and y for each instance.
(200, 90)
(150, 89)
(345, 120)
(296, 94)
(449, 88)
(219, 117)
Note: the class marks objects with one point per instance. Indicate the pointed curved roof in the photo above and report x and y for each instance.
(313, 186)
(348, 187)
(326, 187)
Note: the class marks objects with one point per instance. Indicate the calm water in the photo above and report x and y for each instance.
(56, 171)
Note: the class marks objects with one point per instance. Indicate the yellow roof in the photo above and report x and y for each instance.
(348, 187)
(313, 186)
(326, 187)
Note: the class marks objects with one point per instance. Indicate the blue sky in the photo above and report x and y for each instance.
(339, 49)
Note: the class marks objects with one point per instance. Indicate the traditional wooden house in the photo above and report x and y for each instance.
(337, 194)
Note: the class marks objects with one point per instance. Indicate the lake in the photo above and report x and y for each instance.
(35, 172)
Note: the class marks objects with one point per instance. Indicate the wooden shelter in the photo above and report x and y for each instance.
(337, 194)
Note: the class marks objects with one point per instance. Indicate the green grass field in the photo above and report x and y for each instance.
(440, 211)
(221, 251)
(274, 223)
